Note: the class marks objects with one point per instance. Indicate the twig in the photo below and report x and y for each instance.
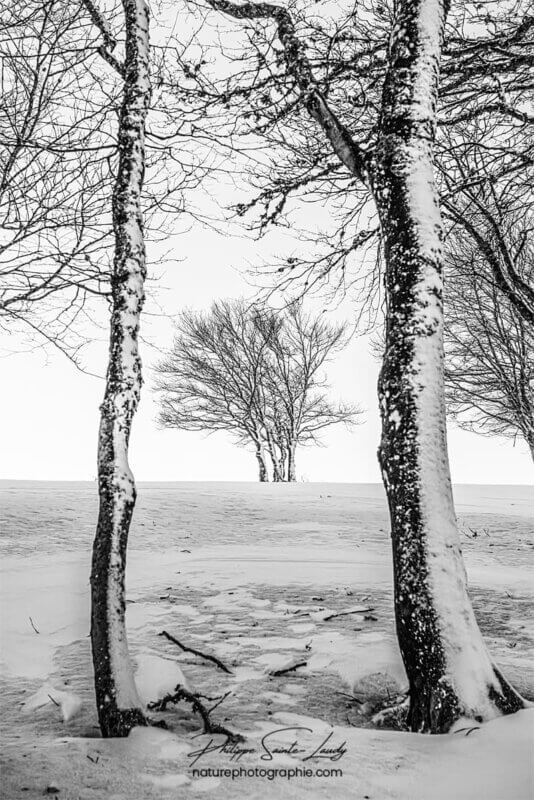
(279, 672)
(469, 730)
(186, 649)
(183, 694)
(54, 701)
(344, 613)
(220, 700)
(33, 626)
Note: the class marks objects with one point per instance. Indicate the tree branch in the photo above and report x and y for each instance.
(347, 150)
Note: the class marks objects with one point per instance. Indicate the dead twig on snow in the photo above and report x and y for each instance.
(350, 611)
(192, 650)
(183, 694)
(284, 671)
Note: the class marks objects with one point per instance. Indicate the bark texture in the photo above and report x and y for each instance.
(119, 707)
(448, 666)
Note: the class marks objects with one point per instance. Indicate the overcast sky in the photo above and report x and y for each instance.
(49, 410)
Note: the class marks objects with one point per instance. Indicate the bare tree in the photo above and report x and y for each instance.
(483, 136)
(55, 175)
(75, 146)
(62, 86)
(296, 401)
(209, 380)
(118, 704)
(489, 345)
(448, 667)
(255, 373)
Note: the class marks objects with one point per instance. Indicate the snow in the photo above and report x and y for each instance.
(302, 627)
(37, 587)
(236, 600)
(68, 703)
(273, 662)
(205, 784)
(493, 762)
(355, 659)
(157, 744)
(168, 781)
(156, 677)
(270, 642)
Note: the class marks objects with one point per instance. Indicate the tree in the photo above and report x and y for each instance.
(73, 135)
(118, 704)
(448, 667)
(55, 177)
(256, 373)
(484, 125)
(62, 87)
(489, 345)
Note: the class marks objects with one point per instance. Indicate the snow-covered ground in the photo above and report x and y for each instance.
(265, 578)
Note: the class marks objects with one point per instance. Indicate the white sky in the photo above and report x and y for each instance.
(49, 410)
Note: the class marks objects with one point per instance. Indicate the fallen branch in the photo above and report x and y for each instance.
(358, 610)
(284, 671)
(192, 650)
(183, 694)
(33, 626)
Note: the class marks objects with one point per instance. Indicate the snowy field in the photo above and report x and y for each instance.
(264, 577)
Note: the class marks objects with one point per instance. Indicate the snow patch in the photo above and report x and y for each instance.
(302, 627)
(68, 703)
(355, 659)
(273, 662)
(156, 677)
(168, 781)
(205, 784)
(149, 742)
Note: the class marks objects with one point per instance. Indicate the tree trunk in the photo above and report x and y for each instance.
(262, 464)
(278, 473)
(291, 466)
(118, 704)
(449, 669)
(282, 461)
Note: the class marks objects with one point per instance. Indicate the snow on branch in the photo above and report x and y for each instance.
(347, 150)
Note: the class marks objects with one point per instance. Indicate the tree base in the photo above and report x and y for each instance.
(394, 717)
(117, 723)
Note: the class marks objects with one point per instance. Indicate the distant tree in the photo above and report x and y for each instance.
(256, 373)
(489, 343)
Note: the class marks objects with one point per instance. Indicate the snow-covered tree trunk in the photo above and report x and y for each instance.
(118, 704)
(449, 669)
(291, 465)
